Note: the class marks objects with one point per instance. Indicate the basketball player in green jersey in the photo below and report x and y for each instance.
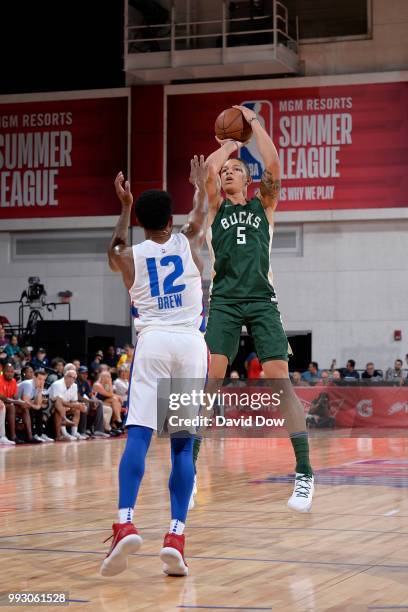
(239, 238)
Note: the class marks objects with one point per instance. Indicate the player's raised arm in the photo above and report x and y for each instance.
(271, 177)
(195, 227)
(213, 164)
(119, 254)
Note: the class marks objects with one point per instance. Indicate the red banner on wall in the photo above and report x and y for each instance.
(59, 158)
(340, 146)
(361, 406)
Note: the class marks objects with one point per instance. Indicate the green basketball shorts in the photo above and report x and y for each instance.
(263, 322)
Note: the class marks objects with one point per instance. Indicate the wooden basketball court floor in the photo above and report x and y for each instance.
(245, 550)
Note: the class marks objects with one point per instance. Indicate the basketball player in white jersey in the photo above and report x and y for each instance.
(163, 276)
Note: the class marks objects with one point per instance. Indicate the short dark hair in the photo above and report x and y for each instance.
(315, 364)
(400, 360)
(40, 372)
(351, 362)
(369, 363)
(56, 361)
(153, 209)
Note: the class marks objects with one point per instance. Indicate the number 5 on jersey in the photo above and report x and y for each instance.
(169, 280)
(241, 236)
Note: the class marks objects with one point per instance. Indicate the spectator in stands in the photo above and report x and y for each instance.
(31, 392)
(3, 438)
(111, 358)
(27, 373)
(9, 391)
(84, 407)
(121, 384)
(370, 373)
(103, 388)
(396, 373)
(336, 375)
(253, 366)
(297, 380)
(349, 372)
(76, 363)
(40, 361)
(26, 355)
(12, 348)
(95, 407)
(57, 365)
(3, 338)
(94, 367)
(320, 414)
(64, 398)
(127, 356)
(324, 377)
(235, 380)
(312, 374)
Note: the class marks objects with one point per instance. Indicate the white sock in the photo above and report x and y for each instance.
(74, 430)
(63, 430)
(125, 515)
(176, 527)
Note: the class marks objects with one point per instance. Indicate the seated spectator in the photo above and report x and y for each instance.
(13, 348)
(253, 366)
(349, 372)
(27, 373)
(324, 377)
(103, 388)
(127, 356)
(40, 361)
(31, 392)
(312, 374)
(320, 414)
(3, 338)
(396, 373)
(3, 438)
(84, 407)
(235, 380)
(111, 358)
(14, 406)
(76, 363)
(370, 373)
(121, 384)
(297, 381)
(58, 365)
(95, 407)
(26, 355)
(94, 367)
(336, 375)
(63, 395)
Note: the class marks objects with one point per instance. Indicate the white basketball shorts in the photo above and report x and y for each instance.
(181, 356)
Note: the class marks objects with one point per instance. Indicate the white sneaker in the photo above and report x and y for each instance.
(68, 437)
(301, 498)
(38, 438)
(45, 438)
(101, 434)
(191, 503)
(6, 441)
(82, 436)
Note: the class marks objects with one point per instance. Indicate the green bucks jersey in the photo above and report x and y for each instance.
(239, 241)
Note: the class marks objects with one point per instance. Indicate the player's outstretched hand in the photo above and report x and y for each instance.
(248, 113)
(123, 191)
(198, 171)
(238, 143)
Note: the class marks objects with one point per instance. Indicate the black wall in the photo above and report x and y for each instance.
(60, 45)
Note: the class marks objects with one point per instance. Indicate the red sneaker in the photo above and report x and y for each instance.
(126, 541)
(172, 555)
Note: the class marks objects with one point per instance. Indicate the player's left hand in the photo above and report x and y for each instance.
(198, 171)
(123, 192)
(248, 113)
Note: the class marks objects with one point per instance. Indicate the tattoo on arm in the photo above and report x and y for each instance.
(269, 185)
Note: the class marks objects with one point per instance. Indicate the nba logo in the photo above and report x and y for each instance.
(250, 153)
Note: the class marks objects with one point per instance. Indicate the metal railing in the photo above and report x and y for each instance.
(174, 36)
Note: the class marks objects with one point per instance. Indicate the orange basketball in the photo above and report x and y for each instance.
(231, 123)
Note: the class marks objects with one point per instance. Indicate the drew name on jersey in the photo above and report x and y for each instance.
(169, 301)
(242, 217)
